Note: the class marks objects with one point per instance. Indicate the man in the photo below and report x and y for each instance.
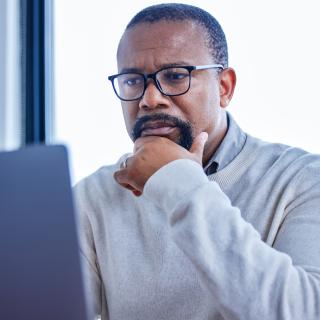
(201, 221)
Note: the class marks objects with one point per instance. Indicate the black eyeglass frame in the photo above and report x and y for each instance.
(153, 76)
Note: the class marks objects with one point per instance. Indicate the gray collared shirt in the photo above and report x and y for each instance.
(229, 148)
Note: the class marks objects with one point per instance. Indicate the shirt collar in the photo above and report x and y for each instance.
(228, 149)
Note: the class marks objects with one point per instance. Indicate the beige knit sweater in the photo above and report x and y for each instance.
(243, 243)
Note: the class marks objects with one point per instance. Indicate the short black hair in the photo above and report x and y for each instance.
(217, 42)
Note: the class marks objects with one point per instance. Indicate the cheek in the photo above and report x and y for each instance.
(202, 112)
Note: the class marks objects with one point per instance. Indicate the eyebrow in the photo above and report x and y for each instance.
(165, 65)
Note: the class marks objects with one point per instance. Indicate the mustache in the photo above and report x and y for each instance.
(186, 137)
(140, 123)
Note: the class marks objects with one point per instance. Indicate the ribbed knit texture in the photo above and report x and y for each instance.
(241, 244)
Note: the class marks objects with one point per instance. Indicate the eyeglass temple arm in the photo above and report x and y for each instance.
(209, 66)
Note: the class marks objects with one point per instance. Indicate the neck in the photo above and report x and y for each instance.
(215, 139)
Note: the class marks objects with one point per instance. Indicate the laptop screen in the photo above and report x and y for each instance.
(40, 271)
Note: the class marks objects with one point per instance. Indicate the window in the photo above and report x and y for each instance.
(25, 77)
(10, 107)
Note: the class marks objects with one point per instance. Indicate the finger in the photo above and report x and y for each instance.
(138, 144)
(198, 144)
(121, 176)
(137, 193)
(143, 140)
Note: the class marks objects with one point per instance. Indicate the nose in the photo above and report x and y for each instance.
(152, 97)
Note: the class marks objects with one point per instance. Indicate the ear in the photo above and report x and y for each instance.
(227, 83)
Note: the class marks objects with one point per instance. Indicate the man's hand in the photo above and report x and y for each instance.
(150, 154)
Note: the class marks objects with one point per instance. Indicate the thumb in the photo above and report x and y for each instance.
(198, 144)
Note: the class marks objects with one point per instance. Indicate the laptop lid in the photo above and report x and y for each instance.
(40, 272)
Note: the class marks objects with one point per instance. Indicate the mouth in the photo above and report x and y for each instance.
(157, 128)
(164, 125)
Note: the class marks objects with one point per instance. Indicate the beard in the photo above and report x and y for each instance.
(185, 138)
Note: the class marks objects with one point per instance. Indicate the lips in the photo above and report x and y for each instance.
(157, 128)
(164, 125)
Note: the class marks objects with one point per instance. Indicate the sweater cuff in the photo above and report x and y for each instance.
(171, 183)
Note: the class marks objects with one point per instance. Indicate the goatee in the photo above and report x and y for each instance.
(185, 139)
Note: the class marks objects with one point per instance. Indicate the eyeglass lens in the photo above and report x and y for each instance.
(170, 81)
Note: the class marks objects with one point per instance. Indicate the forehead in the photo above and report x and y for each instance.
(150, 46)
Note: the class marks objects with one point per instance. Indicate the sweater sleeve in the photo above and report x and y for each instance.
(248, 279)
(94, 288)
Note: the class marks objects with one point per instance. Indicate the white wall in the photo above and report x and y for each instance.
(274, 46)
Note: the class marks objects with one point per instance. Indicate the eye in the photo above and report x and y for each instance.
(175, 76)
(134, 80)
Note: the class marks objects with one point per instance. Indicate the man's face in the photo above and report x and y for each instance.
(147, 48)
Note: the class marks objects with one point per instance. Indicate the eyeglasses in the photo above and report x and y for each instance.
(170, 81)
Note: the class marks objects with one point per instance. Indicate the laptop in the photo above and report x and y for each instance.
(40, 270)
